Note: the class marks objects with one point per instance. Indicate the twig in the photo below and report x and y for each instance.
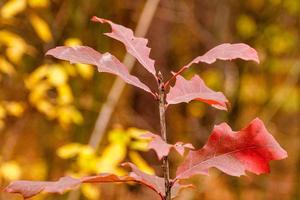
(279, 98)
(162, 109)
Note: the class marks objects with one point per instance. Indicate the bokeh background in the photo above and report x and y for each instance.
(49, 108)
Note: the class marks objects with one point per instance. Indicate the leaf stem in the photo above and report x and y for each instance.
(175, 75)
(162, 109)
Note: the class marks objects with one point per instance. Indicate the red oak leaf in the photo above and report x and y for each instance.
(232, 152)
(136, 46)
(195, 89)
(29, 189)
(227, 52)
(105, 62)
(154, 182)
(222, 52)
(162, 148)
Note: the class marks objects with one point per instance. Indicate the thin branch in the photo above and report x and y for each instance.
(279, 98)
(175, 75)
(162, 110)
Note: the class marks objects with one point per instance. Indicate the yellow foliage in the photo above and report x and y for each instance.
(41, 28)
(56, 75)
(87, 160)
(16, 46)
(292, 6)
(39, 91)
(140, 145)
(280, 41)
(111, 157)
(136, 133)
(71, 42)
(91, 191)
(11, 108)
(38, 3)
(118, 135)
(71, 71)
(250, 84)
(275, 2)
(85, 71)
(10, 170)
(140, 162)
(36, 76)
(12, 8)
(65, 95)
(14, 108)
(69, 114)
(119, 147)
(46, 78)
(213, 78)
(246, 26)
(46, 108)
(6, 67)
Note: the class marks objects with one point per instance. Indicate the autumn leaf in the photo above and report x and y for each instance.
(105, 62)
(29, 189)
(249, 149)
(154, 182)
(136, 46)
(162, 148)
(224, 51)
(227, 51)
(195, 89)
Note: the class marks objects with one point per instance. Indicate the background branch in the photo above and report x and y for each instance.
(119, 85)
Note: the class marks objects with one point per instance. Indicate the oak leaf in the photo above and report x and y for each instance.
(104, 62)
(195, 89)
(136, 46)
(162, 148)
(249, 149)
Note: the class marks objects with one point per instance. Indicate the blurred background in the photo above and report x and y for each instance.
(49, 108)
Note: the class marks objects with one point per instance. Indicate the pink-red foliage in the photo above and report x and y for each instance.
(104, 62)
(162, 148)
(136, 46)
(195, 89)
(29, 189)
(249, 149)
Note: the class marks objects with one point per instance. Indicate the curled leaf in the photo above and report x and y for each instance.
(195, 89)
(31, 188)
(136, 46)
(224, 51)
(249, 149)
(162, 148)
(227, 51)
(154, 182)
(105, 62)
